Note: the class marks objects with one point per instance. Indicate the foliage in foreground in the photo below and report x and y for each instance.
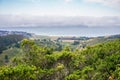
(97, 62)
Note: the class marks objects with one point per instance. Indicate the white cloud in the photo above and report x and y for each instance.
(10, 20)
(110, 3)
(67, 1)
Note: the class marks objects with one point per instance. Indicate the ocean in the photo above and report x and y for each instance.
(67, 31)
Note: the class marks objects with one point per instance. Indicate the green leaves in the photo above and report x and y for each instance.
(18, 72)
(43, 63)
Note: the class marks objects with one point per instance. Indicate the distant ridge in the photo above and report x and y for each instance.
(5, 33)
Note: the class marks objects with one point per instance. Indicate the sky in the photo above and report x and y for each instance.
(91, 13)
(96, 8)
(99, 17)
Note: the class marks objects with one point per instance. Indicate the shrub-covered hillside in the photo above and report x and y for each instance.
(8, 41)
(99, 62)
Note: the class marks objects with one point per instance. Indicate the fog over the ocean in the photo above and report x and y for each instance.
(48, 21)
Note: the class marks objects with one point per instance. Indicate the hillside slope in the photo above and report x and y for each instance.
(101, 62)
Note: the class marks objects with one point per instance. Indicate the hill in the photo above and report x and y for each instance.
(100, 61)
(10, 44)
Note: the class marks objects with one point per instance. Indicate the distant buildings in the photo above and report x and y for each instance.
(25, 34)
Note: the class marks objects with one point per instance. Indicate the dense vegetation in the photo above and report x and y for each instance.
(98, 62)
(8, 41)
(54, 45)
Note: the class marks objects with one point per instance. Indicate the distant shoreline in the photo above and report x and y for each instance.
(67, 31)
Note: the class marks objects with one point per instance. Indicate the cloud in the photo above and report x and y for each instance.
(109, 3)
(67, 1)
(14, 21)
